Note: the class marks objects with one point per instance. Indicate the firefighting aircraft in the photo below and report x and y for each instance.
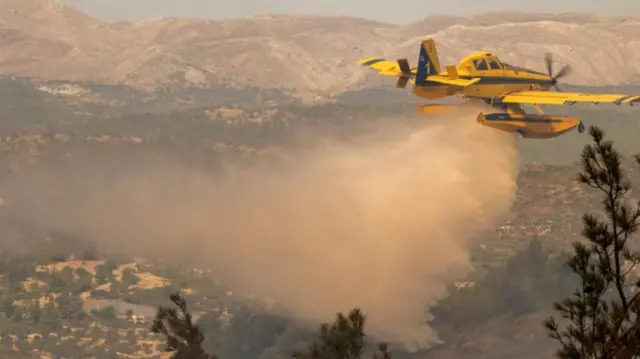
(482, 77)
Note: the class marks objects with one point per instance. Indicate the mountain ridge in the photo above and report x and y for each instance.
(307, 55)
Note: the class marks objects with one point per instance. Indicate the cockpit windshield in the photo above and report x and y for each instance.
(480, 64)
(494, 63)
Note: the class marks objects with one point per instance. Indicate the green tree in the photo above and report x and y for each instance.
(8, 307)
(17, 270)
(603, 315)
(18, 314)
(107, 313)
(111, 265)
(247, 333)
(70, 307)
(50, 320)
(131, 337)
(344, 339)
(63, 279)
(129, 277)
(84, 281)
(35, 312)
(68, 275)
(112, 337)
(81, 273)
(55, 281)
(183, 336)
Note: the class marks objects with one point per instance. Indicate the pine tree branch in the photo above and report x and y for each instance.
(602, 328)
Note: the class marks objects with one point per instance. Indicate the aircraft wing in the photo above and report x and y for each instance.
(566, 98)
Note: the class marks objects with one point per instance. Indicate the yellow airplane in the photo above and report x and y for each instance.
(482, 77)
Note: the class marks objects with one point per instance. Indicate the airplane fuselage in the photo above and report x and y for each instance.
(489, 87)
(495, 79)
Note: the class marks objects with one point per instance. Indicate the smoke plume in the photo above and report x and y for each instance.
(384, 222)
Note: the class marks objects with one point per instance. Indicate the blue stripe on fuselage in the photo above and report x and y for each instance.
(490, 80)
(486, 80)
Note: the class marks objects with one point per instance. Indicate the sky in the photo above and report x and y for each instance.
(383, 10)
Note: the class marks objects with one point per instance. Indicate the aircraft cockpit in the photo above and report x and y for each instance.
(488, 63)
(481, 62)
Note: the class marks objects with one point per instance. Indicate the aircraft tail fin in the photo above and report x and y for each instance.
(428, 61)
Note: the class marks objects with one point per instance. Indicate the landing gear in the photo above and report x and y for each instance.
(581, 127)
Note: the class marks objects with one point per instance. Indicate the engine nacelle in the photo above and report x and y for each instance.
(531, 126)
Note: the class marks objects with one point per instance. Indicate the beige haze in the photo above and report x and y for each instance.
(383, 223)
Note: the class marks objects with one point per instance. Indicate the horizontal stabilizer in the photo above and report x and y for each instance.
(400, 69)
(385, 67)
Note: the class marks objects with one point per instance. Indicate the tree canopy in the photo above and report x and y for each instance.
(183, 336)
(602, 318)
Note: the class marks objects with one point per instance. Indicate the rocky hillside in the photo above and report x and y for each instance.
(306, 55)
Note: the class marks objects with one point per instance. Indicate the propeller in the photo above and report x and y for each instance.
(562, 73)
(406, 73)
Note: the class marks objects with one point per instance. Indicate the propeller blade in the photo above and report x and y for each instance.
(549, 62)
(555, 77)
(404, 66)
(402, 82)
(563, 72)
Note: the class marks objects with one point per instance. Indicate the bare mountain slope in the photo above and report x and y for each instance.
(308, 55)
